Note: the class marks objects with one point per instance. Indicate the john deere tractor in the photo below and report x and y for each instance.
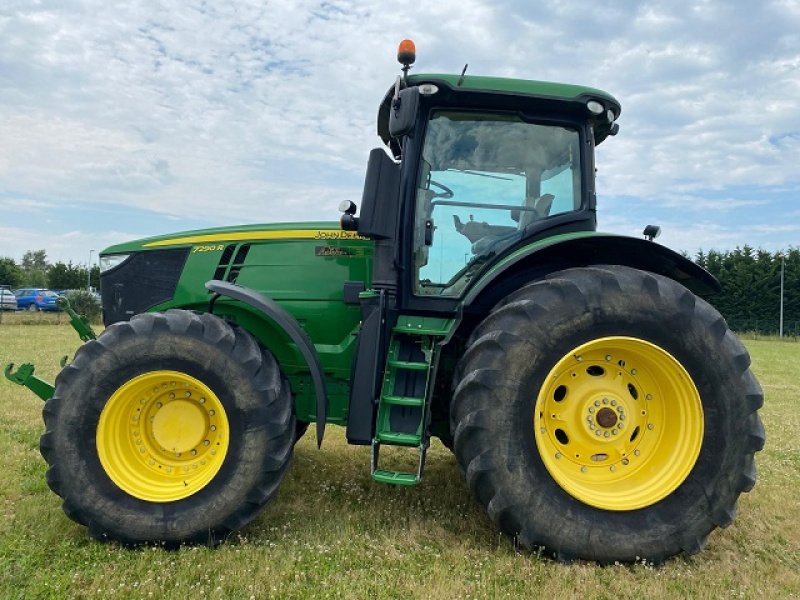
(597, 406)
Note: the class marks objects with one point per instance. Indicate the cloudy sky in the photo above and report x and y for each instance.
(121, 120)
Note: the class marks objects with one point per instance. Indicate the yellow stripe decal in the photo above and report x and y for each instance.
(286, 234)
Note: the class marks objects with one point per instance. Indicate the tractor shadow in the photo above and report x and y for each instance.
(329, 494)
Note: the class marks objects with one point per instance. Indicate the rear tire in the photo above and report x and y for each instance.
(532, 443)
(170, 428)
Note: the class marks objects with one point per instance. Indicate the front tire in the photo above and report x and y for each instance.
(170, 428)
(607, 414)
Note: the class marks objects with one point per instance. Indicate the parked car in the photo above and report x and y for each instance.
(8, 301)
(36, 299)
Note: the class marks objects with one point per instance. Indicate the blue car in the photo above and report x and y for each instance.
(36, 299)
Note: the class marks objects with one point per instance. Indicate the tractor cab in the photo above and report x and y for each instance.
(479, 167)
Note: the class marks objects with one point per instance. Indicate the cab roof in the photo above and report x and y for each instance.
(543, 91)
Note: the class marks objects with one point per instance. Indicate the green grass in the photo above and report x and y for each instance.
(332, 532)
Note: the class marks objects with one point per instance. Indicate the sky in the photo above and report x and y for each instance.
(124, 120)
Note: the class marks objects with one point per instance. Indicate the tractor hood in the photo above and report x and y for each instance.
(316, 230)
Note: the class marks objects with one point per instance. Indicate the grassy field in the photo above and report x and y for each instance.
(331, 532)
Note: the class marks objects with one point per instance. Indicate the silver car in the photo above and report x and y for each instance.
(8, 301)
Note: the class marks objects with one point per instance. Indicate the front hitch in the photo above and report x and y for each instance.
(24, 376)
(79, 323)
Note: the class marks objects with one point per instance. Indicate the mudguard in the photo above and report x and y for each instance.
(584, 249)
(289, 324)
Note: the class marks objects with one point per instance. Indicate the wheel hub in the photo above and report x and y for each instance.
(179, 426)
(601, 425)
(606, 417)
(162, 436)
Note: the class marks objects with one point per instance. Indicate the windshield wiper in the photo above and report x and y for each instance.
(479, 174)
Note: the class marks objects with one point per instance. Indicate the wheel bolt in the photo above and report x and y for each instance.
(558, 454)
(579, 358)
(606, 434)
(605, 400)
(612, 468)
(637, 452)
(597, 402)
(188, 394)
(598, 432)
(591, 409)
(648, 397)
(583, 469)
(608, 357)
(171, 395)
(613, 432)
(649, 425)
(613, 403)
(591, 426)
(633, 371)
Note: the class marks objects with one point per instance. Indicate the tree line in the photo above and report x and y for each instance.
(751, 288)
(749, 301)
(36, 271)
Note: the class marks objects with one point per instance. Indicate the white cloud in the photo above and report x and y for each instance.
(249, 111)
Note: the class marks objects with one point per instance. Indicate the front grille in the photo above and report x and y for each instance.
(144, 280)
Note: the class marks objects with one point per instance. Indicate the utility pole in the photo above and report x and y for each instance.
(783, 264)
(89, 275)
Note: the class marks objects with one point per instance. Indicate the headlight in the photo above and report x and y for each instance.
(595, 107)
(109, 261)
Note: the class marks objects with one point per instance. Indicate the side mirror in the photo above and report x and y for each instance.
(403, 112)
(348, 221)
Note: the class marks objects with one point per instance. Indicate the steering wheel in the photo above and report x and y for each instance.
(445, 193)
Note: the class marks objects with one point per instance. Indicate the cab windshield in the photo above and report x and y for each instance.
(485, 178)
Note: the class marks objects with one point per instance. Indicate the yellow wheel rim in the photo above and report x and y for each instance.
(162, 436)
(618, 423)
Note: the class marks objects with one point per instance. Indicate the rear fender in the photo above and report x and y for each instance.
(580, 250)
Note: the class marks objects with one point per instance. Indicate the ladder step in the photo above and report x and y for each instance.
(400, 439)
(395, 477)
(403, 400)
(415, 366)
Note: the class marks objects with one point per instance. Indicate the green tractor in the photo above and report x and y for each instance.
(596, 405)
